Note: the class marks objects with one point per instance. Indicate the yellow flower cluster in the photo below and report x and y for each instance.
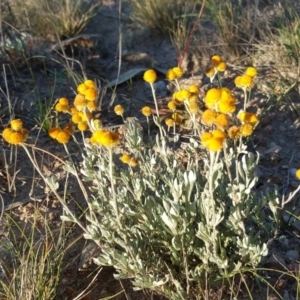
(15, 134)
(213, 140)
(105, 138)
(62, 135)
(217, 65)
(174, 73)
(245, 81)
(127, 159)
(220, 100)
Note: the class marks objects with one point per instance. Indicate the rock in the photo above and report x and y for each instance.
(276, 262)
(292, 255)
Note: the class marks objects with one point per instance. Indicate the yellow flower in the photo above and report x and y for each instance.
(221, 67)
(64, 101)
(82, 126)
(125, 158)
(298, 173)
(209, 116)
(119, 110)
(73, 110)
(170, 122)
(6, 134)
(178, 72)
(246, 117)
(215, 60)
(150, 76)
(59, 107)
(53, 132)
(91, 106)
(227, 106)
(212, 97)
(90, 84)
(244, 81)
(251, 71)
(81, 88)
(246, 129)
(146, 111)
(15, 138)
(182, 95)
(214, 144)
(222, 121)
(63, 136)
(80, 102)
(85, 116)
(217, 133)
(171, 75)
(91, 94)
(172, 105)
(206, 136)
(76, 118)
(106, 138)
(16, 124)
(213, 140)
(194, 89)
(234, 132)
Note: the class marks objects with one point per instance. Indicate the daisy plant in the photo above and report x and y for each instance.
(171, 223)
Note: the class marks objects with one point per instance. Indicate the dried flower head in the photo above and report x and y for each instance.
(246, 129)
(194, 107)
(210, 72)
(146, 111)
(150, 76)
(119, 110)
(234, 132)
(133, 162)
(69, 127)
(177, 119)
